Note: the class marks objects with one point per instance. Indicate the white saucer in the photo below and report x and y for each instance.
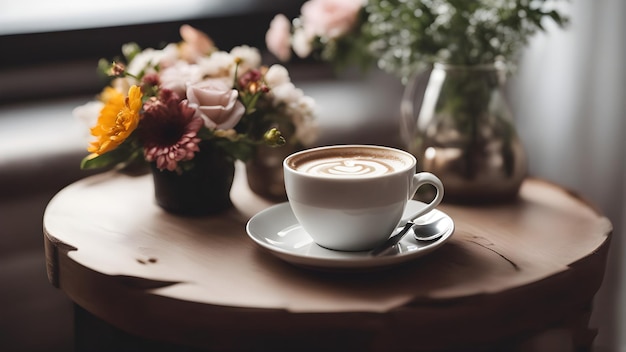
(277, 230)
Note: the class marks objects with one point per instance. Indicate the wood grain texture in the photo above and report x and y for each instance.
(509, 271)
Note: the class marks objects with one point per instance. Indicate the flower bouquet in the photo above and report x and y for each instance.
(190, 109)
(402, 37)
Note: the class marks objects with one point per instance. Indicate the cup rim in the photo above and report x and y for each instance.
(346, 146)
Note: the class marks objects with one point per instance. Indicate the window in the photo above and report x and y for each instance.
(51, 48)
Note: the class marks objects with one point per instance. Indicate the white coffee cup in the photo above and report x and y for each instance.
(352, 197)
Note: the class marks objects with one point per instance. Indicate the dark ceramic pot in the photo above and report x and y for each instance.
(202, 190)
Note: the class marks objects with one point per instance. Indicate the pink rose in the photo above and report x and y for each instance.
(330, 18)
(216, 102)
(278, 36)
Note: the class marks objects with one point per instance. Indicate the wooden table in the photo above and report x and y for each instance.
(509, 272)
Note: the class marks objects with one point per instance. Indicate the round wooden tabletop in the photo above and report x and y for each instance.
(508, 271)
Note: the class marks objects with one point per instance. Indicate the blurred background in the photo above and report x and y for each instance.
(568, 96)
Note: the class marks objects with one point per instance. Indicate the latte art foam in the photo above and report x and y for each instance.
(349, 162)
(348, 168)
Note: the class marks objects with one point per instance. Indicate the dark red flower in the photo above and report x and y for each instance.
(168, 130)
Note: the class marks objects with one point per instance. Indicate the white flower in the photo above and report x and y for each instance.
(250, 57)
(307, 105)
(149, 58)
(302, 43)
(219, 64)
(179, 76)
(276, 75)
(286, 93)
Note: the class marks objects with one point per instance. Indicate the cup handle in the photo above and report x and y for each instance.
(418, 180)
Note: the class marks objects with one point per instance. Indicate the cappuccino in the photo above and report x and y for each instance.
(351, 197)
(350, 162)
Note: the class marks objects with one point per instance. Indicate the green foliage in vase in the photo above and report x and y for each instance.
(406, 34)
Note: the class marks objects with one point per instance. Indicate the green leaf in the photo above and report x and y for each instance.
(124, 152)
(100, 161)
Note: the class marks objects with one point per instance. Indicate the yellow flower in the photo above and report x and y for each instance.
(118, 119)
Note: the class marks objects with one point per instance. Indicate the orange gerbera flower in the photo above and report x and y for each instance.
(118, 119)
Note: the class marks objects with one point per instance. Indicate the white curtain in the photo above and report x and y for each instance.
(569, 98)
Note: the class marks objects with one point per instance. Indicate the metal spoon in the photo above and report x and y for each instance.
(432, 230)
(421, 232)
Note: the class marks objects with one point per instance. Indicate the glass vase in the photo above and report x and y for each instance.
(203, 189)
(458, 124)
